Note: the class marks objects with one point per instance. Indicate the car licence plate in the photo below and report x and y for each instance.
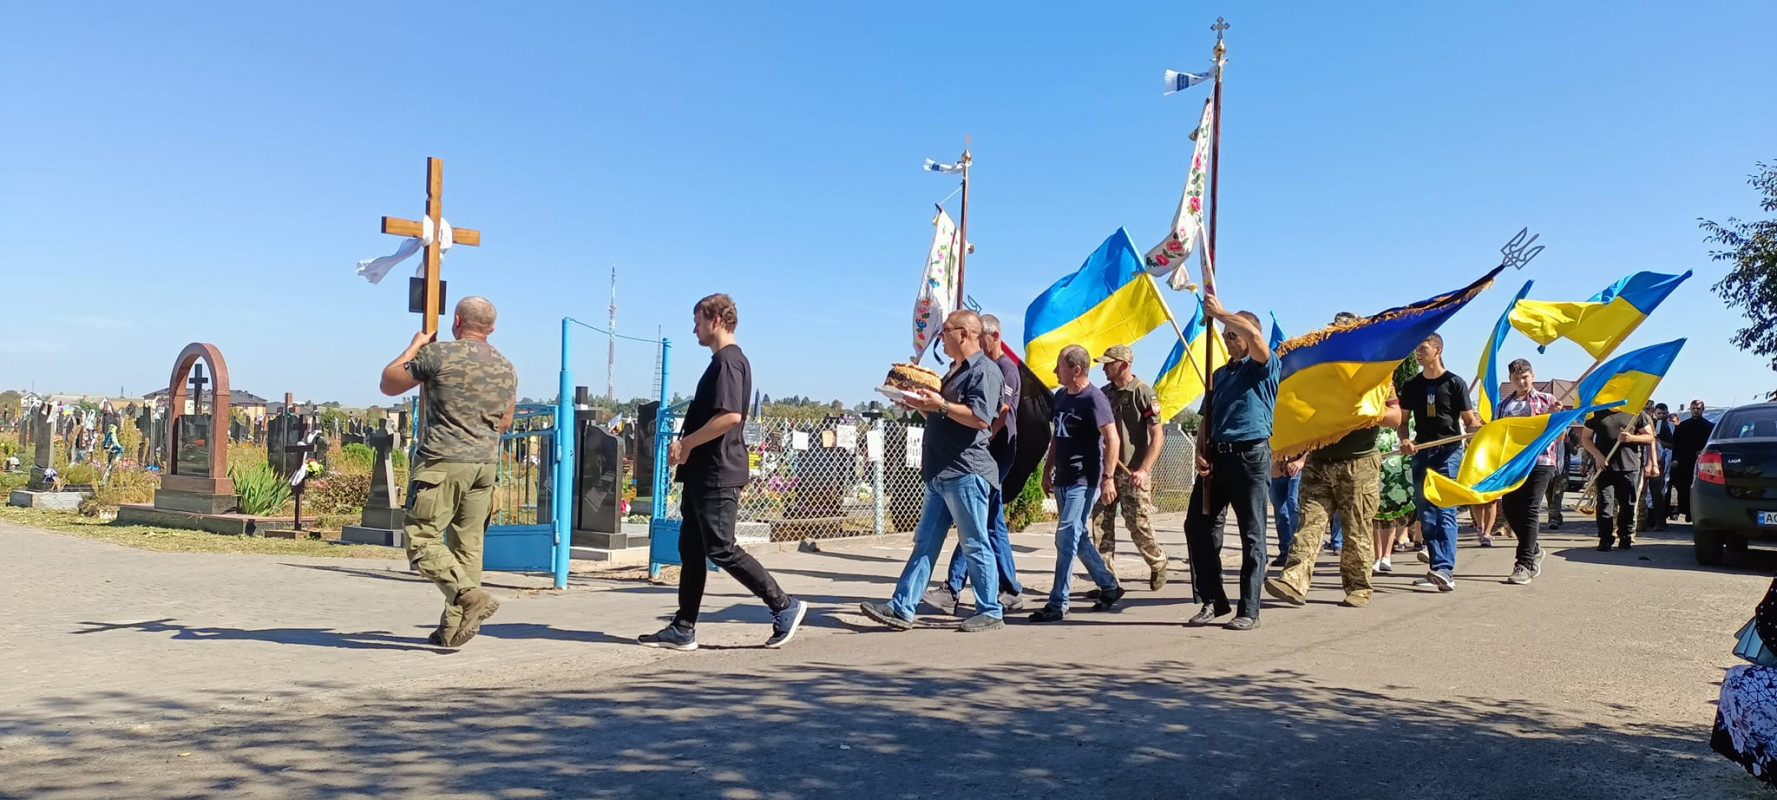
(1767, 518)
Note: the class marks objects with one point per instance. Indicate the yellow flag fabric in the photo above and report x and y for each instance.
(1499, 458)
(1601, 323)
(1109, 300)
(1181, 377)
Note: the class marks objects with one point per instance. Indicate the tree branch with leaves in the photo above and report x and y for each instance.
(1750, 248)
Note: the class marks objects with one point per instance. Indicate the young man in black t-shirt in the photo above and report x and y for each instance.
(712, 462)
(1439, 403)
(1618, 441)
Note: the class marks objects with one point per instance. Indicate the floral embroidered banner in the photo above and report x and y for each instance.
(937, 289)
(1167, 259)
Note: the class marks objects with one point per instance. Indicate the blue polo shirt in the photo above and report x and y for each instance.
(1241, 405)
(951, 448)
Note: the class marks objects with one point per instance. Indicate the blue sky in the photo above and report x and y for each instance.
(210, 172)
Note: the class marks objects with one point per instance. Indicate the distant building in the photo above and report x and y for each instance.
(242, 400)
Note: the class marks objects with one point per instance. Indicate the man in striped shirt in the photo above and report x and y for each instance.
(1523, 505)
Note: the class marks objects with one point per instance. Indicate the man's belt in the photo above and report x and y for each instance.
(1236, 447)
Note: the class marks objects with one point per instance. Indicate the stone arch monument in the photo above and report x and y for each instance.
(196, 477)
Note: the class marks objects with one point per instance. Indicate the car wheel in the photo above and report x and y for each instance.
(1709, 545)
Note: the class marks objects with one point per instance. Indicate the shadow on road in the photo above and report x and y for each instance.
(1158, 729)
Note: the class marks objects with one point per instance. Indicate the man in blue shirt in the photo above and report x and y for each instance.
(1234, 462)
(959, 472)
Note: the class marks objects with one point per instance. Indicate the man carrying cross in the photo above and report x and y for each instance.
(471, 393)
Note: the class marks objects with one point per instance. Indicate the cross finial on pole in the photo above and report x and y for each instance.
(1221, 25)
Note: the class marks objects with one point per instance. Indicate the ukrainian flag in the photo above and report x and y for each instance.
(1630, 377)
(1601, 323)
(1110, 300)
(1488, 397)
(1499, 458)
(1181, 379)
(1338, 379)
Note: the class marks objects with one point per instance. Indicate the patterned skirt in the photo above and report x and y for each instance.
(1397, 490)
(1746, 720)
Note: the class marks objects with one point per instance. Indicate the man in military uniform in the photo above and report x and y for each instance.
(1142, 433)
(471, 392)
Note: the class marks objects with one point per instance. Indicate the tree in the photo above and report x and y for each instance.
(11, 403)
(1751, 283)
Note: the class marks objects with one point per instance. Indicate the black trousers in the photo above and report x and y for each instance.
(1522, 509)
(1682, 475)
(707, 532)
(1237, 481)
(1616, 505)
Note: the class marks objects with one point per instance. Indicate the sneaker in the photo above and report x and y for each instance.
(1011, 602)
(883, 614)
(982, 622)
(1208, 614)
(1383, 567)
(941, 598)
(477, 606)
(1486, 541)
(671, 637)
(1443, 580)
(1242, 624)
(1108, 598)
(1355, 601)
(1282, 591)
(1048, 614)
(784, 623)
(1093, 595)
(1157, 578)
(1521, 575)
(1603, 545)
(1536, 562)
(1425, 555)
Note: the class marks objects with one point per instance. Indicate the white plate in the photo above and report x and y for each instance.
(1767, 518)
(897, 395)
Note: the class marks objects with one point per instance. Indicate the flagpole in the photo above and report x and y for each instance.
(1185, 344)
(1215, 211)
(962, 245)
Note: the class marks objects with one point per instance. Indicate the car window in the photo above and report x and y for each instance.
(1748, 423)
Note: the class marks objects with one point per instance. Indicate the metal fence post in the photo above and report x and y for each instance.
(566, 428)
(663, 434)
(878, 489)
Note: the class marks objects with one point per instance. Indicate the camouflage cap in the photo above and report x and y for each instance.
(1117, 352)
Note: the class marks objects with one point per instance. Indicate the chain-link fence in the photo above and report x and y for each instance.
(854, 477)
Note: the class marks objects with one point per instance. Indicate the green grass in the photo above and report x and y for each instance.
(171, 540)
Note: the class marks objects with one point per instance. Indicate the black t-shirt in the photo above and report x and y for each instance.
(726, 385)
(1607, 426)
(1689, 437)
(1436, 404)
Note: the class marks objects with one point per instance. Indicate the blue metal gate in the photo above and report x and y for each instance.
(521, 534)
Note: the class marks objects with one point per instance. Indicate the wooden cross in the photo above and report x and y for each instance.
(435, 213)
(302, 448)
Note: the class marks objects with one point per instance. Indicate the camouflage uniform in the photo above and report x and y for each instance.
(1352, 488)
(469, 387)
(1135, 407)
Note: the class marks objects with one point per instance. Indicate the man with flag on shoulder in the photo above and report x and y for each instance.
(1621, 445)
(1442, 412)
(1141, 435)
(1234, 462)
(1522, 505)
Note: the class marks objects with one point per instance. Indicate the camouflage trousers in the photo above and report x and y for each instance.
(1353, 489)
(1136, 503)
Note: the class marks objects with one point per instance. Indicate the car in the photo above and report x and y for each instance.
(1734, 495)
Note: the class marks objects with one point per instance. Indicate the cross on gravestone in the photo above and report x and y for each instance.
(197, 387)
(299, 481)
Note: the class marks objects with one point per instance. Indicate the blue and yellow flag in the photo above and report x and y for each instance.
(1181, 378)
(1499, 458)
(1338, 379)
(1601, 323)
(1630, 377)
(1110, 300)
(1488, 397)
(1277, 336)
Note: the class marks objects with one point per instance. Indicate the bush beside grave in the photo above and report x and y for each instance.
(260, 489)
(337, 493)
(125, 486)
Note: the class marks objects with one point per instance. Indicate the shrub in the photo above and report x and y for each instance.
(14, 480)
(260, 489)
(399, 457)
(125, 486)
(244, 456)
(337, 493)
(354, 458)
(1027, 507)
(82, 474)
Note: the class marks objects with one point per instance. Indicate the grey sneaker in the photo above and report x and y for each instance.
(1521, 575)
(980, 623)
(1443, 580)
(883, 614)
(1536, 563)
(784, 623)
(1011, 602)
(671, 637)
(940, 597)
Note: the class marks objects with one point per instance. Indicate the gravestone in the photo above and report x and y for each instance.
(281, 433)
(598, 485)
(43, 447)
(383, 519)
(197, 480)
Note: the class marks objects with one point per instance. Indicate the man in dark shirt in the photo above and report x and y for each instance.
(1003, 446)
(959, 473)
(1621, 445)
(1687, 443)
(471, 392)
(1234, 468)
(1658, 488)
(1439, 403)
(1077, 473)
(712, 462)
(1343, 478)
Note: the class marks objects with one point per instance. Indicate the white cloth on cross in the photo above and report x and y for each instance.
(302, 469)
(373, 269)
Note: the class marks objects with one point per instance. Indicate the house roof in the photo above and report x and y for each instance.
(238, 398)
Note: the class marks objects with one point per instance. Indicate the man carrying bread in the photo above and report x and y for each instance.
(960, 473)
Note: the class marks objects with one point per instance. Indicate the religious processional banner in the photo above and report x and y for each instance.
(1338, 379)
(1601, 323)
(1167, 259)
(937, 288)
(1107, 301)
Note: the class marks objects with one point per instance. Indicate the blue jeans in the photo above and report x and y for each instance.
(1286, 509)
(1437, 525)
(962, 501)
(999, 537)
(1337, 539)
(1073, 538)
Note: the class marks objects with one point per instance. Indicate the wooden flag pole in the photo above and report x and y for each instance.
(1215, 211)
(1185, 343)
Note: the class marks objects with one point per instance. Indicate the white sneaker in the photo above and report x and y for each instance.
(1425, 555)
(1383, 567)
